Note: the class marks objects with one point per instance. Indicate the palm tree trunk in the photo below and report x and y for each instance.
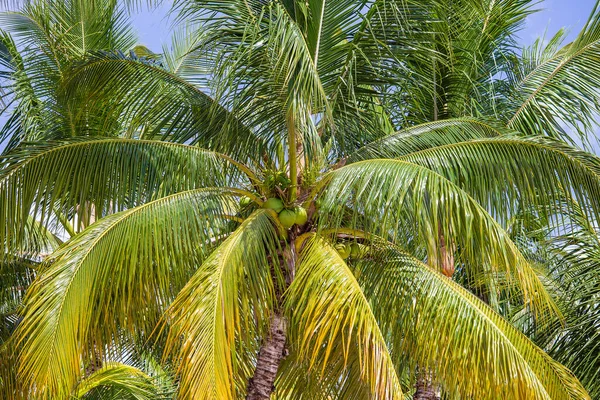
(425, 388)
(270, 356)
(273, 350)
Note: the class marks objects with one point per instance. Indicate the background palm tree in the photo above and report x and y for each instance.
(338, 199)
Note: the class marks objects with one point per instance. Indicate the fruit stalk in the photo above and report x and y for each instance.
(291, 125)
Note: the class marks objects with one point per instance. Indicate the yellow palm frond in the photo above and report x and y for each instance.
(229, 298)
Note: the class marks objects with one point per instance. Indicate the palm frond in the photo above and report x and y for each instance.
(341, 378)
(116, 380)
(325, 305)
(573, 257)
(68, 29)
(119, 273)
(561, 89)
(428, 135)
(184, 58)
(223, 308)
(456, 68)
(107, 175)
(150, 102)
(15, 278)
(439, 324)
(505, 174)
(389, 196)
(51, 36)
(274, 61)
(18, 100)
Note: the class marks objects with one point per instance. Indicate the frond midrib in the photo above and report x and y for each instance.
(511, 141)
(406, 132)
(83, 143)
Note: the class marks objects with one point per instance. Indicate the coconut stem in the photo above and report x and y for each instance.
(291, 125)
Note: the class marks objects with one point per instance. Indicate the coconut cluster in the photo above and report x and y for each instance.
(287, 216)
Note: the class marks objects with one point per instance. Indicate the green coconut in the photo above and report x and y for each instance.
(274, 204)
(245, 201)
(301, 216)
(354, 250)
(343, 250)
(287, 218)
(364, 251)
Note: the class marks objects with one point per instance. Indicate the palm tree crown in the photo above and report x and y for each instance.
(298, 199)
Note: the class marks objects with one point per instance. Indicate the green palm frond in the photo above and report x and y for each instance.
(184, 58)
(573, 257)
(107, 175)
(505, 174)
(381, 193)
(16, 90)
(341, 378)
(428, 135)
(274, 61)
(346, 52)
(151, 102)
(561, 89)
(50, 37)
(68, 29)
(11, 387)
(225, 305)
(463, 47)
(410, 138)
(119, 273)
(329, 313)
(444, 327)
(117, 381)
(15, 278)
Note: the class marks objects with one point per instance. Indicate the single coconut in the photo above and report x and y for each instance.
(301, 216)
(354, 250)
(274, 204)
(343, 250)
(287, 218)
(245, 201)
(364, 251)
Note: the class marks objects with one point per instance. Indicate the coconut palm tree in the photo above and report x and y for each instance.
(297, 199)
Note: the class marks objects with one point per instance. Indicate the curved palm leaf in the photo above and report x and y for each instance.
(506, 174)
(116, 380)
(224, 307)
(295, 87)
(16, 91)
(151, 102)
(50, 36)
(119, 273)
(329, 312)
(274, 61)
(573, 257)
(385, 191)
(562, 88)
(443, 326)
(106, 174)
(427, 135)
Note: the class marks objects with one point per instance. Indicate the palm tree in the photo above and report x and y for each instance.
(298, 199)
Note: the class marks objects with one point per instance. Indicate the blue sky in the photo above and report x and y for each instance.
(556, 14)
(154, 28)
